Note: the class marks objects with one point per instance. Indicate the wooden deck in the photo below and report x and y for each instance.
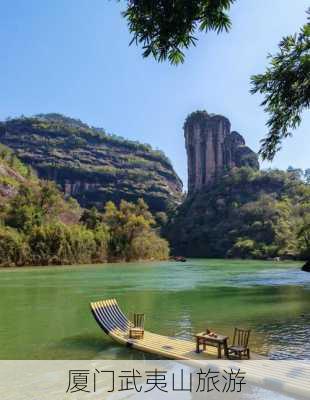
(289, 377)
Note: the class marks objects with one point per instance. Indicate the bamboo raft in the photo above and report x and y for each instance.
(282, 376)
(115, 324)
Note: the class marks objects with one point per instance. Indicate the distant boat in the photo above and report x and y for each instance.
(179, 258)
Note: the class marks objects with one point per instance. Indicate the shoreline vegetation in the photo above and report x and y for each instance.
(39, 226)
(33, 236)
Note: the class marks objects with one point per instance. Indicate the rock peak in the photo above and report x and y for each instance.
(212, 148)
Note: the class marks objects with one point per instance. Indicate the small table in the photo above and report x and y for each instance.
(219, 341)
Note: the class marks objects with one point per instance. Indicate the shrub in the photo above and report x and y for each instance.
(101, 236)
(61, 244)
(243, 248)
(14, 250)
(148, 247)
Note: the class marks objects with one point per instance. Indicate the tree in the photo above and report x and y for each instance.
(161, 218)
(14, 250)
(58, 243)
(165, 28)
(304, 239)
(307, 176)
(34, 205)
(286, 89)
(91, 218)
(23, 211)
(149, 246)
(296, 173)
(130, 232)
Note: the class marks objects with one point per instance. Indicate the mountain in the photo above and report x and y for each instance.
(91, 165)
(246, 213)
(233, 209)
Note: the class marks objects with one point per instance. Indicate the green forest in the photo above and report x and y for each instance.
(247, 213)
(38, 226)
(32, 232)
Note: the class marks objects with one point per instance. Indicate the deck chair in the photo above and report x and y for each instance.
(240, 347)
(136, 330)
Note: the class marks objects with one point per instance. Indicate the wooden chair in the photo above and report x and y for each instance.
(136, 330)
(240, 347)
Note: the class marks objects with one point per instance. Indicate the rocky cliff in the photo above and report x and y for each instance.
(91, 165)
(212, 149)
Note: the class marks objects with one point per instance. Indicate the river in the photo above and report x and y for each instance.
(45, 314)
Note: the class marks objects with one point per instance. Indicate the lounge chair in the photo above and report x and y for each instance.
(240, 347)
(136, 330)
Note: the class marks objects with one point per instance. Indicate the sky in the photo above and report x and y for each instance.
(73, 57)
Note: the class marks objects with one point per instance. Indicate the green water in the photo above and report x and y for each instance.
(45, 313)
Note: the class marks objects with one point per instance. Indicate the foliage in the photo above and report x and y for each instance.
(246, 213)
(91, 165)
(166, 28)
(40, 227)
(286, 88)
(161, 218)
(304, 239)
(50, 125)
(307, 175)
(14, 249)
(130, 230)
(60, 244)
(92, 218)
(102, 240)
(8, 158)
(242, 248)
(149, 246)
(33, 205)
(267, 229)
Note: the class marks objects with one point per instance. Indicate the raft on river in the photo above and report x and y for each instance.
(282, 376)
(115, 324)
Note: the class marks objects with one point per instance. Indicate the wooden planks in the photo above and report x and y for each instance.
(111, 319)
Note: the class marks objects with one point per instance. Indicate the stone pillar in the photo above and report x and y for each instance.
(204, 139)
(211, 149)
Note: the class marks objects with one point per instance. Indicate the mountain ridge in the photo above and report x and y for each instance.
(91, 165)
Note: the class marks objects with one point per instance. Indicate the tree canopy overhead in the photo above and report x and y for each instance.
(165, 28)
(286, 88)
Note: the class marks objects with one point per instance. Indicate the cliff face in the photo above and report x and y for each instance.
(212, 149)
(89, 164)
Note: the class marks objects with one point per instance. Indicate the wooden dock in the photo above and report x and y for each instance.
(289, 377)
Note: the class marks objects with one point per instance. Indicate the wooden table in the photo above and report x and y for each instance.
(219, 341)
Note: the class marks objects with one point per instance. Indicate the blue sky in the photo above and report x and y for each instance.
(72, 57)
